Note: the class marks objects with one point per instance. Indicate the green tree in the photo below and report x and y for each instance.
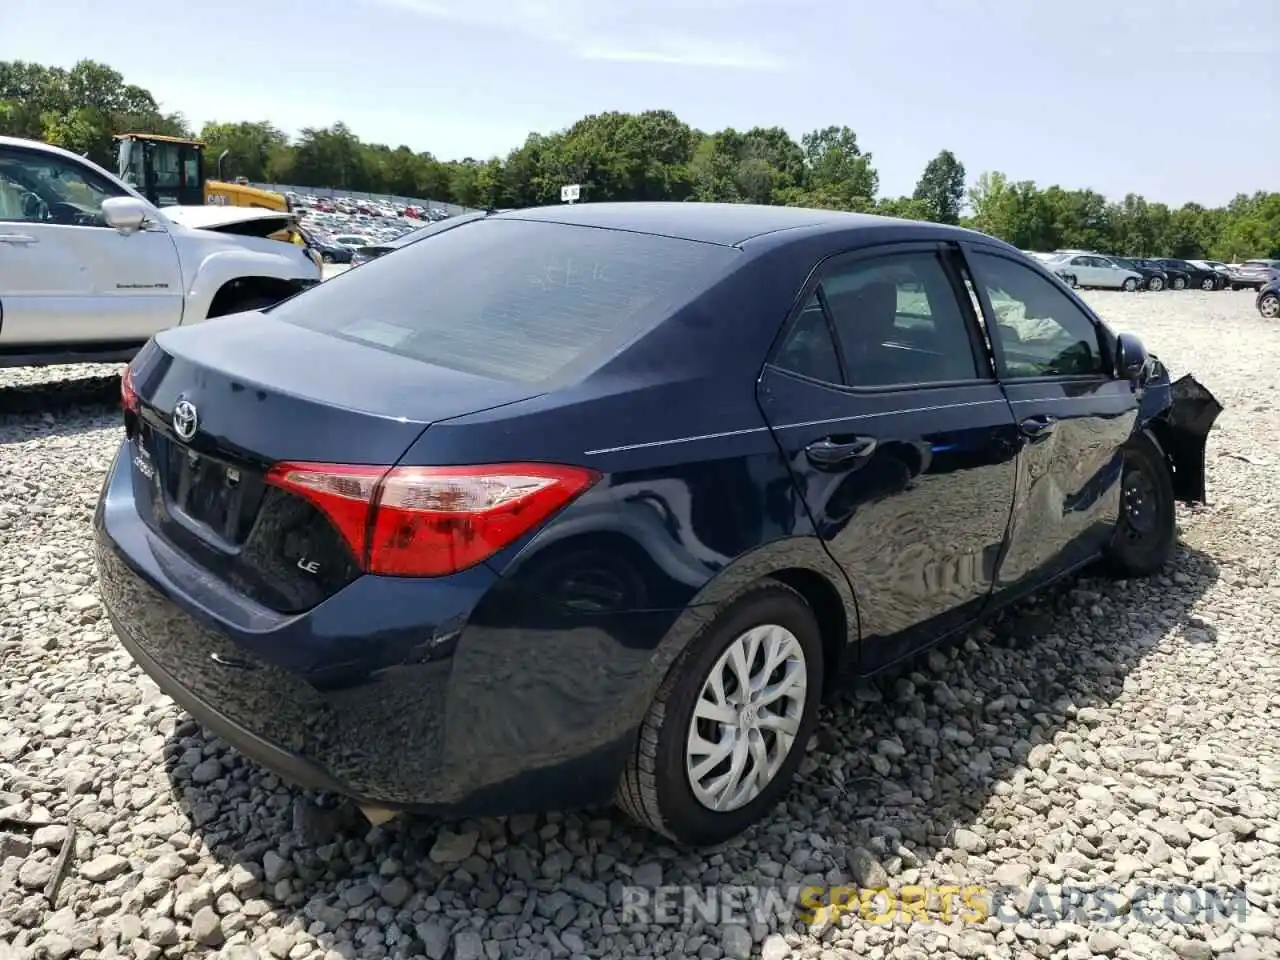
(941, 188)
(251, 147)
(839, 174)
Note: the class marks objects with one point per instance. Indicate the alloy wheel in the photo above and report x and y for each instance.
(1206, 283)
(746, 718)
(1270, 307)
(1155, 284)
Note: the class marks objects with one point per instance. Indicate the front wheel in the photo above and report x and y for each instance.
(1207, 284)
(1179, 283)
(730, 722)
(1155, 283)
(1269, 306)
(1147, 529)
(1130, 284)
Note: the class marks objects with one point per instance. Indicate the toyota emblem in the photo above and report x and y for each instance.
(185, 419)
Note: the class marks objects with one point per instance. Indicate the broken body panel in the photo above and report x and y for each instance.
(1179, 415)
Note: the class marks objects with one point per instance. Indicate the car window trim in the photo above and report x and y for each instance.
(887, 391)
(1101, 332)
(842, 258)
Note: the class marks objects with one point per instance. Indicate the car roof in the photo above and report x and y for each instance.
(727, 224)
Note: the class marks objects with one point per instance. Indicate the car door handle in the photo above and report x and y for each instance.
(831, 453)
(1037, 428)
(17, 238)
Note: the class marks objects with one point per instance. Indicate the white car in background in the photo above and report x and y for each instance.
(1095, 270)
(353, 241)
(90, 270)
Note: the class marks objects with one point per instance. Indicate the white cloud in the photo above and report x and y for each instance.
(622, 31)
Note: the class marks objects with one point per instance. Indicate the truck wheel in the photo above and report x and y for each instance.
(1147, 529)
(730, 722)
(252, 302)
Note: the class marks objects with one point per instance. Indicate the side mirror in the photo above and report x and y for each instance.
(1132, 359)
(126, 214)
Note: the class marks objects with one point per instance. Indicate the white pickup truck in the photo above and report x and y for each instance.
(89, 270)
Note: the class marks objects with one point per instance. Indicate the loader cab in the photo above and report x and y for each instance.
(165, 170)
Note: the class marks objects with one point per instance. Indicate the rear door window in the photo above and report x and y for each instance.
(515, 300)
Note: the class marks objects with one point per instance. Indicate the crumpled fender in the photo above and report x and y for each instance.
(1178, 417)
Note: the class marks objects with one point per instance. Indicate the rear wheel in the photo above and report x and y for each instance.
(1179, 283)
(1130, 284)
(1269, 306)
(730, 722)
(1146, 532)
(1155, 283)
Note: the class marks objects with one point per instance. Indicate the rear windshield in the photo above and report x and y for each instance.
(514, 300)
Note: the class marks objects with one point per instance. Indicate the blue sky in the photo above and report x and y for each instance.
(1176, 100)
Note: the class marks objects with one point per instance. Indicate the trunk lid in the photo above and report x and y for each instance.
(263, 392)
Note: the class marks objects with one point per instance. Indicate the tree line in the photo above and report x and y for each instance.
(642, 156)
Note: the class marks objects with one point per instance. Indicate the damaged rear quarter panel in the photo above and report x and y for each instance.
(1178, 415)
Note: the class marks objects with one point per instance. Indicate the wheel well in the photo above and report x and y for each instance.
(828, 610)
(249, 289)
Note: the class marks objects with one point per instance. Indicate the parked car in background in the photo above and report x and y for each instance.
(330, 252)
(374, 250)
(1176, 278)
(1218, 267)
(1152, 278)
(1201, 277)
(584, 503)
(352, 241)
(1254, 274)
(1050, 263)
(1268, 302)
(1094, 270)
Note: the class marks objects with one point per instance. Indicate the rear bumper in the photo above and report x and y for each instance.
(455, 696)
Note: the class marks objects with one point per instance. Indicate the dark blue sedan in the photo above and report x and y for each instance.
(597, 502)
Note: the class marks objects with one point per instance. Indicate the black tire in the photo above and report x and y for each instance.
(1155, 284)
(252, 302)
(1208, 283)
(326, 257)
(1130, 285)
(1178, 283)
(1269, 306)
(654, 789)
(1147, 529)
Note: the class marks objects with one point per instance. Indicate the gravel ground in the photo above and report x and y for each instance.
(1110, 735)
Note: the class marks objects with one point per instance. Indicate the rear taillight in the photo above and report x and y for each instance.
(128, 395)
(432, 521)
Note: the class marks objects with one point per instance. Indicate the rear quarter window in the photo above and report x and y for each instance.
(515, 300)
